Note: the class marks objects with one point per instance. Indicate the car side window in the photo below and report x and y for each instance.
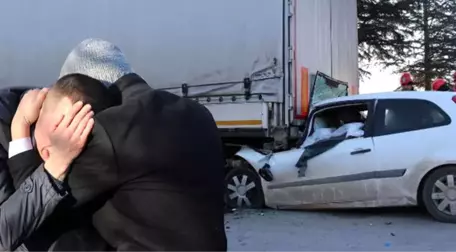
(394, 116)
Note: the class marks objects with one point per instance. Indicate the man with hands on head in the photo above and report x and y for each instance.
(69, 132)
(23, 211)
(131, 156)
(67, 228)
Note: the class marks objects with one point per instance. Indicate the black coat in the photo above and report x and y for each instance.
(24, 207)
(162, 155)
(159, 159)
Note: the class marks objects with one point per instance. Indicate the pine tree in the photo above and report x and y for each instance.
(433, 52)
(382, 31)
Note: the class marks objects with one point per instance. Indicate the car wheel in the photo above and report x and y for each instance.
(243, 189)
(439, 194)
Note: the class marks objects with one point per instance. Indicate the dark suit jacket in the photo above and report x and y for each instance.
(162, 154)
(39, 201)
(159, 158)
(68, 228)
(74, 233)
(9, 100)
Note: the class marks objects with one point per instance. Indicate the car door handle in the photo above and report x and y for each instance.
(360, 151)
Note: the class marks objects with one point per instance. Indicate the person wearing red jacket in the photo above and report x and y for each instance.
(440, 84)
(454, 81)
(406, 82)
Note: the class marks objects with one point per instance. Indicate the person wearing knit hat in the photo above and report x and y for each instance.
(98, 59)
(134, 159)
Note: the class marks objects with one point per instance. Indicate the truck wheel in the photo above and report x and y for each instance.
(243, 189)
(439, 194)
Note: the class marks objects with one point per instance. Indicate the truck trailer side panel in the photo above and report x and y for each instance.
(344, 37)
(214, 47)
(214, 42)
(324, 35)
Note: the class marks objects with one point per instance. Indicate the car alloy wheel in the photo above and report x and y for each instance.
(444, 194)
(243, 189)
(439, 194)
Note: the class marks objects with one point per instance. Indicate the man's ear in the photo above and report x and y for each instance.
(44, 153)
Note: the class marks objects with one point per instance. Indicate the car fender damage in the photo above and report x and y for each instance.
(255, 159)
(358, 193)
(379, 188)
(399, 158)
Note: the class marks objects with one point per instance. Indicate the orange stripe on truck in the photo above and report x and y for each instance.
(239, 122)
(353, 90)
(304, 95)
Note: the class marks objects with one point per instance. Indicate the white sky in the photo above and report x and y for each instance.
(381, 80)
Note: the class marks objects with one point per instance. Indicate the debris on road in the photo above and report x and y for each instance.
(271, 230)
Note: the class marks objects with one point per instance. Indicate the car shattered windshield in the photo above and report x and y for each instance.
(326, 87)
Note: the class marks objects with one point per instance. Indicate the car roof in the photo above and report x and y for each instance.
(434, 96)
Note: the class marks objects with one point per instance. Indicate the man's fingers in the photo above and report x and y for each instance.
(88, 128)
(71, 114)
(32, 91)
(43, 91)
(80, 116)
(82, 124)
(42, 95)
(57, 122)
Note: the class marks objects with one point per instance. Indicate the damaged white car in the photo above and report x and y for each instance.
(373, 150)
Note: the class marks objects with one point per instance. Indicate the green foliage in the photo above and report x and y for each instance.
(434, 40)
(382, 32)
(418, 36)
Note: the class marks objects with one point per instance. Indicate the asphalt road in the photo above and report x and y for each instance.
(354, 230)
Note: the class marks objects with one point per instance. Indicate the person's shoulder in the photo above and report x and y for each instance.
(165, 95)
(9, 101)
(170, 100)
(150, 103)
(99, 144)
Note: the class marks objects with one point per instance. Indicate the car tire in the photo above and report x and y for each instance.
(439, 194)
(243, 189)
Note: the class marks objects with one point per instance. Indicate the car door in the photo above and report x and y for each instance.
(405, 132)
(337, 175)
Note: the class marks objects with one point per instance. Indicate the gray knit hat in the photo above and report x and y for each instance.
(98, 59)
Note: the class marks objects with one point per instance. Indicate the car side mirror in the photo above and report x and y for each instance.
(265, 173)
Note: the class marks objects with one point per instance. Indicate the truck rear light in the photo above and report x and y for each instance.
(454, 98)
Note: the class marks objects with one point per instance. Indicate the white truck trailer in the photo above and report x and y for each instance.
(257, 65)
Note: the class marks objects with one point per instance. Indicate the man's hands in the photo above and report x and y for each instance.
(27, 113)
(68, 139)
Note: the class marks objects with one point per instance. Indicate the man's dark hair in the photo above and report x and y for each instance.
(80, 87)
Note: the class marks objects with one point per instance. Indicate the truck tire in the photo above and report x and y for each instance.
(439, 194)
(243, 189)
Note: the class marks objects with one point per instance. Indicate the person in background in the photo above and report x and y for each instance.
(406, 82)
(454, 81)
(440, 84)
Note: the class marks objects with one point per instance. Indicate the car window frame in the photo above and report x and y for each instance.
(369, 120)
(379, 116)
